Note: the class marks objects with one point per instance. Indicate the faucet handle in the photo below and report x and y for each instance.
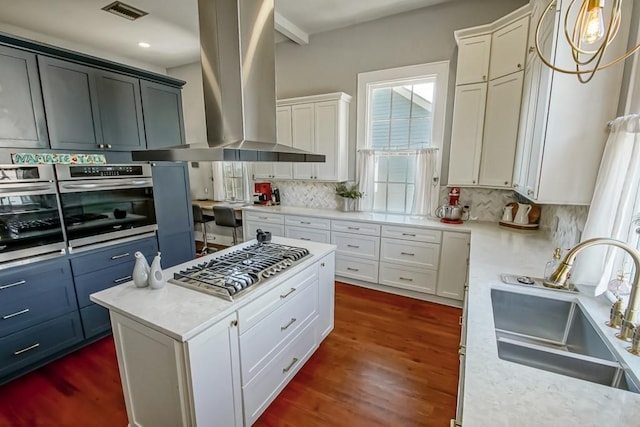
(635, 343)
(615, 315)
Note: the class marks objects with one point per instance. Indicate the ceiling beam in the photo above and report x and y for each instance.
(290, 30)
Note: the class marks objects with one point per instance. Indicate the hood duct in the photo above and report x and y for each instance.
(238, 69)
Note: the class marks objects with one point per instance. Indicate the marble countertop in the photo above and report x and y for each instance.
(502, 393)
(183, 313)
(382, 218)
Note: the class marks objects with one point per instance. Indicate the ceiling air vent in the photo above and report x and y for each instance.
(124, 11)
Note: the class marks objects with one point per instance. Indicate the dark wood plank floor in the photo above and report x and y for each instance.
(390, 361)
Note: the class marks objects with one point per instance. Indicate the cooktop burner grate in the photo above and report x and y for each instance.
(233, 274)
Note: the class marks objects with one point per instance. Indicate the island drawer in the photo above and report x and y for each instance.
(355, 227)
(32, 279)
(305, 221)
(261, 342)
(355, 268)
(88, 284)
(95, 320)
(367, 247)
(263, 217)
(412, 254)
(32, 344)
(415, 279)
(113, 255)
(53, 299)
(264, 388)
(320, 236)
(256, 310)
(412, 233)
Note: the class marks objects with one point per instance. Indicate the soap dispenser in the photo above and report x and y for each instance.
(553, 264)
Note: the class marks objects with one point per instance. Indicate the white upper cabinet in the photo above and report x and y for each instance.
(500, 130)
(508, 48)
(473, 59)
(279, 170)
(486, 115)
(320, 125)
(563, 122)
(466, 134)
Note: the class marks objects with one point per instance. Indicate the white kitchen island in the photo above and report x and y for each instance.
(187, 358)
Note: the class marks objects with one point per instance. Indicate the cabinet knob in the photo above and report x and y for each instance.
(519, 65)
(515, 185)
(531, 49)
(322, 264)
(506, 183)
(473, 182)
(100, 145)
(234, 323)
(530, 192)
(484, 78)
(108, 145)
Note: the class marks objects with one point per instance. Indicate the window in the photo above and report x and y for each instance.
(400, 112)
(234, 181)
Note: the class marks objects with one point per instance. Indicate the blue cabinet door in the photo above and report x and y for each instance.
(173, 212)
(163, 119)
(21, 108)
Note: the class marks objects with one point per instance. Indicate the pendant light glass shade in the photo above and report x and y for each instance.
(588, 37)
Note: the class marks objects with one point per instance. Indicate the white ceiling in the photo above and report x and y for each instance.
(172, 25)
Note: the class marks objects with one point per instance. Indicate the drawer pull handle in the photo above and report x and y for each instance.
(409, 234)
(353, 246)
(352, 269)
(288, 368)
(285, 327)
(122, 279)
(407, 253)
(120, 256)
(288, 293)
(353, 228)
(17, 313)
(263, 217)
(305, 238)
(460, 321)
(407, 279)
(305, 222)
(24, 350)
(11, 285)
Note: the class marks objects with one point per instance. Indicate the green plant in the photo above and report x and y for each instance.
(349, 192)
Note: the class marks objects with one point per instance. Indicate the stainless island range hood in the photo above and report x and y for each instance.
(238, 69)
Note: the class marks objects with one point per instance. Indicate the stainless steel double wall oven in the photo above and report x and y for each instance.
(86, 205)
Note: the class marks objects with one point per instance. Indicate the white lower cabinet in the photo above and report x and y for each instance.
(356, 268)
(171, 383)
(250, 228)
(454, 265)
(309, 234)
(411, 278)
(229, 373)
(411, 254)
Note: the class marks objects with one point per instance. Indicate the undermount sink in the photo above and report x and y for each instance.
(554, 335)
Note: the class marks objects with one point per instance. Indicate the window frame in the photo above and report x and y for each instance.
(368, 81)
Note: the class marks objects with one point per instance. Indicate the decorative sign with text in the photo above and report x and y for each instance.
(58, 158)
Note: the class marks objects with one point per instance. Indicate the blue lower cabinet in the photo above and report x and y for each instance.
(95, 320)
(176, 248)
(31, 345)
(35, 293)
(98, 259)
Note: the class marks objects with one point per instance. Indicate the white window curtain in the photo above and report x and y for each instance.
(218, 181)
(614, 205)
(246, 182)
(425, 196)
(366, 176)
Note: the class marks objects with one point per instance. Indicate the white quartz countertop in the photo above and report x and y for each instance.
(183, 313)
(502, 393)
(381, 218)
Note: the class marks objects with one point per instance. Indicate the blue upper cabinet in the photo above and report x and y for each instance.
(120, 110)
(163, 119)
(21, 109)
(91, 109)
(71, 102)
(173, 212)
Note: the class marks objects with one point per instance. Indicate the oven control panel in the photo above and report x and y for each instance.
(105, 171)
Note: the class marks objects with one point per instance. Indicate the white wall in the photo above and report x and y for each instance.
(331, 61)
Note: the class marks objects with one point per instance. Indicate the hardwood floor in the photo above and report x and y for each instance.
(390, 361)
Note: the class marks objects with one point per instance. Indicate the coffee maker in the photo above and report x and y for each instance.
(262, 193)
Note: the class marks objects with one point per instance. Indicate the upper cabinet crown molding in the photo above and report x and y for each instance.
(334, 96)
(493, 26)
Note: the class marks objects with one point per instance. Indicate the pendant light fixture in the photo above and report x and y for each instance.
(588, 39)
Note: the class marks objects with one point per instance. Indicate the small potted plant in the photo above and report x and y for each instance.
(349, 195)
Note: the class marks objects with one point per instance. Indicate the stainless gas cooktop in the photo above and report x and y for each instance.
(231, 275)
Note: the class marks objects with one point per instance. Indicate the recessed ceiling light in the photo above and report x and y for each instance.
(144, 44)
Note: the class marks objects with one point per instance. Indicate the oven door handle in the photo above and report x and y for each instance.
(106, 185)
(27, 190)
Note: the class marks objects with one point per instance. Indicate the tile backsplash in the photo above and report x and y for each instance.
(565, 223)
